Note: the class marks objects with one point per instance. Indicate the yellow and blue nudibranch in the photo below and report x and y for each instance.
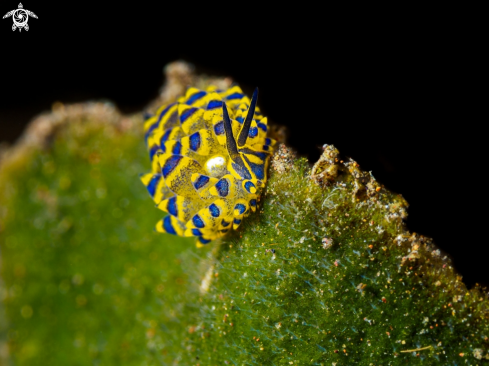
(209, 155)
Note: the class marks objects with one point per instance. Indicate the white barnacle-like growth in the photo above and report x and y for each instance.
(216, 166)
(206, 281)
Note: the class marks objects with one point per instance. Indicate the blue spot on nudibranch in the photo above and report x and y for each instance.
(196, 232)
(222, 187)
(214, 104)
(257, 169)
(248, 186)
(240, 207)
(219, 128)
(201, 181)
(224, 223)
(240, 119)
(172, 206)
(214, 210)
(253, 202)
(253, 132)
(186, 114)
(164, 111)
(194, 140)
(235, 96)
(170, 164)
(177, 148)
(262, 126)
(153, 151)
(261, 155)
(237, 221)
(203, 241)
(153, 183)
(154, 125)
(198, 222)
(168, 226)
(268, 141)
(195, 97)
(150, 129)
(165, 137)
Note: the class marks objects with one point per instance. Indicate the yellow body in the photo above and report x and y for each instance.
(209, 158)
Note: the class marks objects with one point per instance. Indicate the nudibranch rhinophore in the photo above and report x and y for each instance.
(209, 155)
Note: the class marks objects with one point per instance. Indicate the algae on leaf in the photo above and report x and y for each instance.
(326, 273)
(80, 264)
(330, 275)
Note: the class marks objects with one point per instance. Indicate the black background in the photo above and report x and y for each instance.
(405, 98)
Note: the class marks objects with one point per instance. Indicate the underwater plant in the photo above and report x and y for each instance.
(325, 272)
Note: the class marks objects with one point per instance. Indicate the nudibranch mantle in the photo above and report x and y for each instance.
(209, 155)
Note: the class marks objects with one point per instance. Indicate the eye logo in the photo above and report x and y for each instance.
(20, 17)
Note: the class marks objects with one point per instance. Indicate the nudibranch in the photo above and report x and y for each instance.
(209, 155)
